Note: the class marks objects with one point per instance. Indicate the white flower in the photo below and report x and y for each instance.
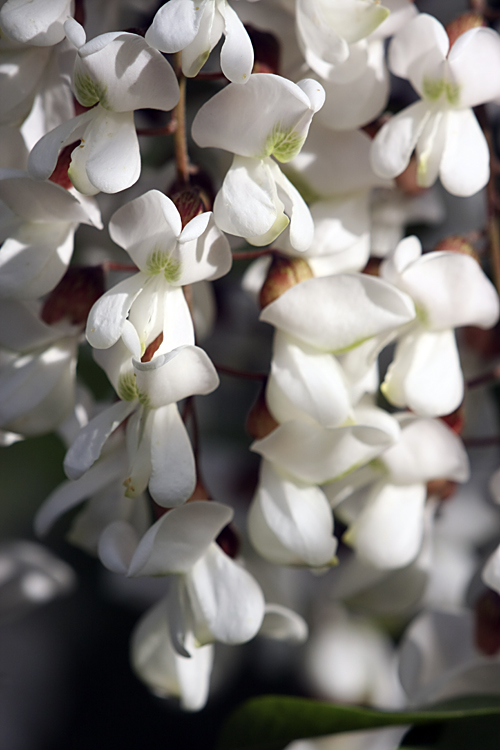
(195, 28)
(119, 73)
(256, 200)
(150, 229)
(442, 126)
(41, 24)
(449, 290)
(37, 225)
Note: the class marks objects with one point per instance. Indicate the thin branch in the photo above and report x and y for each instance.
(487, 377)
(168, 129)
(251, 254)
(481, 442)
(245, 374)
(180, 135)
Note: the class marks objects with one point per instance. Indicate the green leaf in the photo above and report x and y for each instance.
(272, 722)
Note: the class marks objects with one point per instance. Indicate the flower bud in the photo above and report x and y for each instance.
(73, 297)
(260, 422)
(266, 50)
(189, 204)
(229, 542)
(152, 348)
(282, 275)
(463, 23)
(457, 244)
(442, 489)
(487, 635)
(455, 420)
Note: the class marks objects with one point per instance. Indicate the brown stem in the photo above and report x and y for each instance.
(261, 376)
(110, 266)
(251, 254)
(180, 136)
(481, 442)
(493, 200)
(167, 129)
(487, 377)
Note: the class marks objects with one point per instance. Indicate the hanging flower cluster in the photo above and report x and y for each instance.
(361, 411)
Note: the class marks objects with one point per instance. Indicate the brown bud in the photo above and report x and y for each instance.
(485, 343)
(188, 203)
(372, 268)
(229, 541)
(60, 173)
(282, 275)
(266, 50)
(455, 420)
(487, 630)
(373, 127)
(407, 180)
(443, 489)
(260, 421)
(463, 23)
(73, 297)
(457, 244)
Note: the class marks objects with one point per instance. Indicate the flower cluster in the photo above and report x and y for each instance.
(360, 417)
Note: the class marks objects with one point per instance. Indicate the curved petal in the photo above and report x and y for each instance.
(227, 602)
(393, 145)
(175, 25)
(317, 455)
(473, 57)
(301, 230)
(179, 538)
(417, 40)
(173, 468)
(195, 55)
(465, 164)
(43, 156)
(43, 202)
(205, 251)
(389, 531)
(290, 523)
(343, 310)
(87, 447)
(69, 494)
(236, 57)
(283, 624)
(108, 315)
(425, 374)
(42, 25)
(117, 545)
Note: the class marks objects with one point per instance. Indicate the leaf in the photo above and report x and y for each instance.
(272, 722)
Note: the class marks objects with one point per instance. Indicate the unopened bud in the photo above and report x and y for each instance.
(152, 348)
(73, 297)
(441, 489)
(282, 275)
(189, 204)
(372, 268)
(463, 23)
(457, 244)
(455, 420)
(260, 421)
(60, 173)
(266, 49)
(229, 541)
(487, 611)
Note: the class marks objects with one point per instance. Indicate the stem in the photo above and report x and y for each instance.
(251, 254)
(481, 442)
(167, 129)
(261, 376)
(110, 266)
(493, 207)
(484, 379)
(180, 136)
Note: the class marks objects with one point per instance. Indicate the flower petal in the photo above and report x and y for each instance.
(236, 57)
(173, 469)
(472, 58)
(175, 25)
(108, 315)
(465, 165)
(393, 145)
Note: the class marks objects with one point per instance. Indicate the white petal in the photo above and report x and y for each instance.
(425, 374)
(283, 624)
(312, 381)
(206, 253)
(430, 147)
(179, 538)
(388, 532)
(247, 205)
(227, 121)
(343, 310)
(452, 291)
(42, 23)
(227, 602)
(117, 545)
(108, 315)
(43, 157)
(148, 224)
(173, 469)
(40, 201)
(393, 145)
(317, 455)
(301, 230)
(236, 57)
(422, 37)
(491, 571)
(88, 445)
(427, 450)
(175, 25)
(108, 159)
(465, 165)
(472, 60)
(70, 494)
(167, 378)
(291, 523)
